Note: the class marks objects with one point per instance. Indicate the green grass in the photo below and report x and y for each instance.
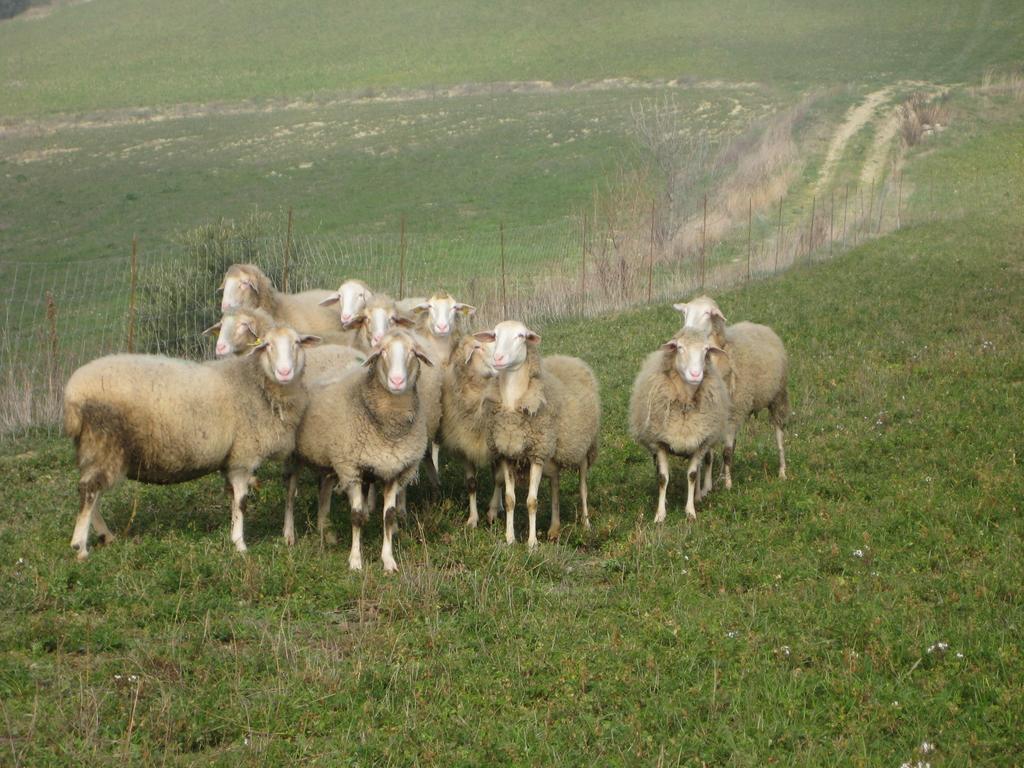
(633, 644)
(118, 53)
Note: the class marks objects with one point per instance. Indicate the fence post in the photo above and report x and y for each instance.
(750, 222)
(831, 223)
(703, 242)
(504, 296)
(778, 241)
(810, 231)
(287, 251)
(846, 201)
(134, 267)
(401, 258)
(871, 204)
(899, 202)
(650, 263)
(583, 268)
(51, 347)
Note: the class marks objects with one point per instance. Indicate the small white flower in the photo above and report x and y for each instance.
(940, 647)
(133, 678)
(21, 561)
(685, 571)
(117, 678)
(732, 633)
(927, 747)
(959, 655)
(896, 704)
(785, 650)
(858, 553)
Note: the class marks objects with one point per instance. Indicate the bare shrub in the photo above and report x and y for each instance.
(920, 115)
(997, 82)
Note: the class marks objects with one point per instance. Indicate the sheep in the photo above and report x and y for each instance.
(369, 423)
(438, 320)
(379, 315)
(239, 330)
(463, 426)
(755, 367)
(350, 297)
(160, 420)
(680, 406)
(543, 416)
(246, 286)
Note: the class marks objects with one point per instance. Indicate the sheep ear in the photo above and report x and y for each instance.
(357, 321)
(422, 356)
(248, 326)
(258, 346)
(422, 307)
(680, 307)
(309, 340)
(334, 298)
(465, 309)
(215, 328)
(670, 346)
(716, 312)
(484, 336)
(532, 338)
(471, 352)
(371, 358)
(221, 286)
(252, 284)
(403, 321)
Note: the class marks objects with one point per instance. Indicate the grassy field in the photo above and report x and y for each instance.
(871, 603)
(119, 53)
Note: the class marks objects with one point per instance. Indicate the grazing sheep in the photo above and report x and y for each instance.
(463, 426)
(369, 424)
(246, 286)
(160, 420)
(755, 367)
(679, 405)
(543, 416)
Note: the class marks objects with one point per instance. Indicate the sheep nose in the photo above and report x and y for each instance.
(346, 316)
(442, 327)
(499, 358)
(694, 374)
(397, 380)
(222, 348)
(284, 370)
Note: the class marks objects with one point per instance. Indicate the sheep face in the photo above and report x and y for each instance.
(688, 351)
(699, 313)
(281, 353)
(396, 361)
(236, 332)
(476, 355)
(378, 317)
(511, 340)
(351, 298)
(442, 311)
(240, 287)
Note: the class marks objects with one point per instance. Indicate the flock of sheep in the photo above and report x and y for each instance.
(363, 389)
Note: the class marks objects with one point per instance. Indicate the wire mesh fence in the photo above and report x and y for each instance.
(160, 299)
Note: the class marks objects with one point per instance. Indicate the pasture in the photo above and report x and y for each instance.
(868, 605)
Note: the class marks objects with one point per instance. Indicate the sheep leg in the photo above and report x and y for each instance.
(431, 457)
(556, 521)
(370, 490)
(510, 502)
(727, 452)
(359, 515)
(390, 524)
(692, 479)
(495, 506)
(474, 517)
(103, 534)
(584, 468)
(89, 498)
(661, 463)
(323, 509)
(536, 473)
(782, 453)
(240, 480)
(291, 478)
(704, 488)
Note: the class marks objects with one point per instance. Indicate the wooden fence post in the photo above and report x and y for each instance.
(134, 268)
(287, 252)
(650, 263)
(703, 242)
(51, 347)
(504, 296)
(401, 258)
(778, 241)
(810, 231)
(583, 267)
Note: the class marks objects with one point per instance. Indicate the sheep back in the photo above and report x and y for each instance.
(463, 427)
(572, 393)
(757, 367)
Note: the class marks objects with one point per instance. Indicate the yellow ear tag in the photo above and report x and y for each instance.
(255, 343)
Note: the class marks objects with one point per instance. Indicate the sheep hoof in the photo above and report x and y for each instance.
(691, 515)
(532, 545)
(390, 566)
(659, 517)
(83, 553)
(471, 522)
(554, 532)
(355, 564)
(782, 473)
(240, 546)
(728, 483)
(289, 539)
(105, 538)
(510, 540)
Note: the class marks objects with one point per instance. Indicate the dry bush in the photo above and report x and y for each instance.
(920, 115)
(996, 82)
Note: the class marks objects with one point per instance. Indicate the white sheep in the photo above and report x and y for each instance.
(464, 428)
(160, 420)
(680, 406)
(369, 424)
(543, 416)
(246, 286)
(350, 297)
(755, 368)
